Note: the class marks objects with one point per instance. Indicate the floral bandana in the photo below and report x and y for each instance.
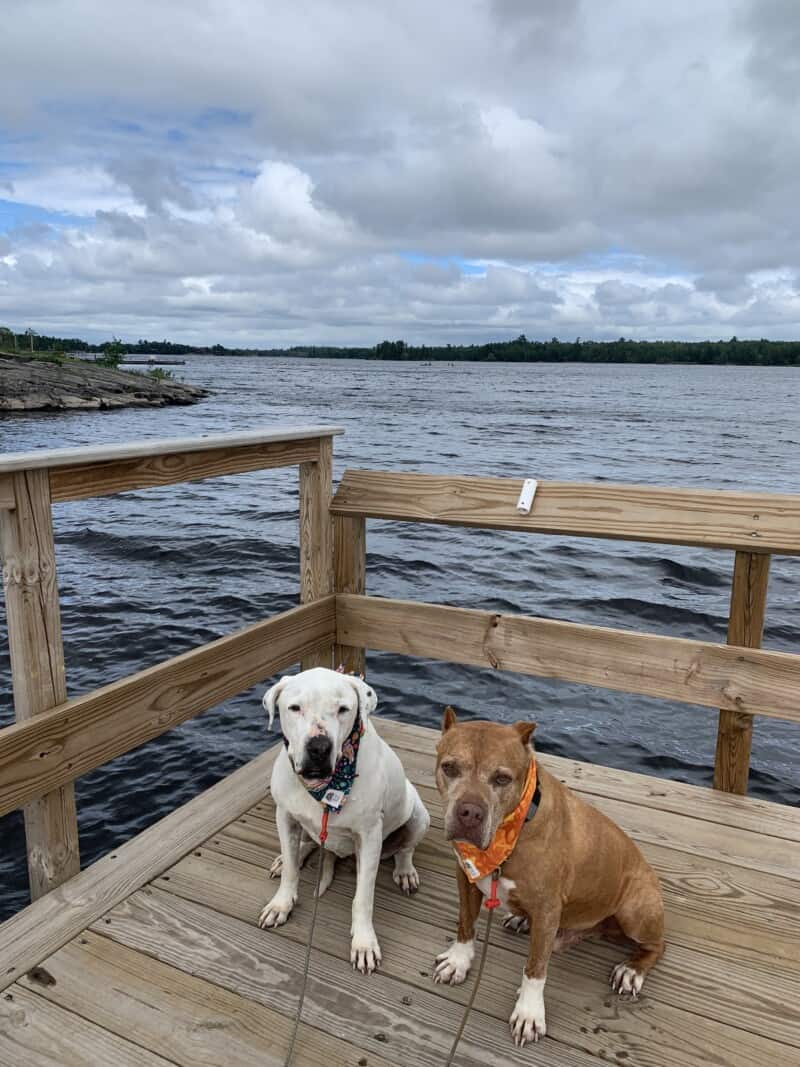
(476, 862)
(333, 791)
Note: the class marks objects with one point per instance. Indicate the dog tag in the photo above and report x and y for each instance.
(334, 798)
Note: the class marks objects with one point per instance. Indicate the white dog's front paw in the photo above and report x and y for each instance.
(527, 1019)
(277, 867)
(517, 924)
(276, 912)
(626, 979)
(365, 952)
(452, 966)
(407, 880)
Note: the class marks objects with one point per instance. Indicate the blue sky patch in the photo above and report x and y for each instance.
(13, 215)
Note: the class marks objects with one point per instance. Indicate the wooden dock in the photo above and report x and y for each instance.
(162, 961)
(152, 955)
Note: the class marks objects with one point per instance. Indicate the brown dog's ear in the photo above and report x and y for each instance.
(449, 718)
(525, 731)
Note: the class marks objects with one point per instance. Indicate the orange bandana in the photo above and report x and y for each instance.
(475, 862)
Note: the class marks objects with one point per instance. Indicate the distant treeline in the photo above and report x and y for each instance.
(520, 350)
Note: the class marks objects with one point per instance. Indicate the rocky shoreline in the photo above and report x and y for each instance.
(29, 384)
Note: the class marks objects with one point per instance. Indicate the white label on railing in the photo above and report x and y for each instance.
(525, 501)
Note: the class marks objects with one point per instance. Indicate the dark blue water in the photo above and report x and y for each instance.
(151, 574)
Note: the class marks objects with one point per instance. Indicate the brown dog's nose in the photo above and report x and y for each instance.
(470, 816)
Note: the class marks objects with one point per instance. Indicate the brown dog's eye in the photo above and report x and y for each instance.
(501, 779)
(294, 707)
(450, 770)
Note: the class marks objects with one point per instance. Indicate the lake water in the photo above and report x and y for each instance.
(151, 574)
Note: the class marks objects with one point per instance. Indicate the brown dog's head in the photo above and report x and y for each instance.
(481, 769)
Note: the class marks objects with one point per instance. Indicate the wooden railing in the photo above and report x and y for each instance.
(739, 679)
(54, 740)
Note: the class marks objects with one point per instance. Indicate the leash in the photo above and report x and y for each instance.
(323, 836)
(490, 904)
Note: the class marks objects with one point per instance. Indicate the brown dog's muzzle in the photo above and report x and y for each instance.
(468, 821)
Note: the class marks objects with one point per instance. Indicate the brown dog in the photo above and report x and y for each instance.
(572, 872)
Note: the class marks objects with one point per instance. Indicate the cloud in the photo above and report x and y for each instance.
(317, 172)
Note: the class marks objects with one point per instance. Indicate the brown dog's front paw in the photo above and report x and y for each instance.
(626, 979)
(517, 924)
(452, 966)
(527, 1020)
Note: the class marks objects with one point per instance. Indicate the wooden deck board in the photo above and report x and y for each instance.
(190, 1020)
(177, 971)
(36, 1033)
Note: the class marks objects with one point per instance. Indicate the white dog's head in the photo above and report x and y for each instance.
(317, 710)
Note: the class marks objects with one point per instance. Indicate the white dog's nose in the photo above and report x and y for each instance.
(317, 762)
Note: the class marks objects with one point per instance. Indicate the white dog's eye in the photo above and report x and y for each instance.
(343, 709)
(294, 707)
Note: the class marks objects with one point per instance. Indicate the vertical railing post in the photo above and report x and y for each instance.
(745, 628)
(37, 665)
(316, 536)
(350, 575)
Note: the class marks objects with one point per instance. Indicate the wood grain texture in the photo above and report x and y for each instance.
(122, 475)
(350, 576)
(52, 458)
(44, 926)
(37, 668)
(7, 500)
(762, 522)
(316, 539)
(36, 1033)
(695, 672)
(90, 730)
(381, 1015)
(745, 629)
(190, 1020)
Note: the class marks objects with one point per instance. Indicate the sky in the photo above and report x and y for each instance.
(347, 171)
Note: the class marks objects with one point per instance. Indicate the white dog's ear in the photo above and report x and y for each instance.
(270, 700)
(367, 698)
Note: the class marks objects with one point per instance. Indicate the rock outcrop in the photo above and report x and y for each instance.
(39, 385)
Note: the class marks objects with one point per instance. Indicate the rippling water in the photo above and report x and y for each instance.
(151, 574)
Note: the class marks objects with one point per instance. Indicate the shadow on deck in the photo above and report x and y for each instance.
(158, 958)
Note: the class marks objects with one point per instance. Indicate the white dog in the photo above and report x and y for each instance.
(332, 750)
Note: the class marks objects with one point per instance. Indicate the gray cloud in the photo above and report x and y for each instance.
(324, 171)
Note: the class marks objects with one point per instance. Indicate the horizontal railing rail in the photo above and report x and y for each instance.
(76, 473)
(55, 740)
(752, 681)
(751, 522)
